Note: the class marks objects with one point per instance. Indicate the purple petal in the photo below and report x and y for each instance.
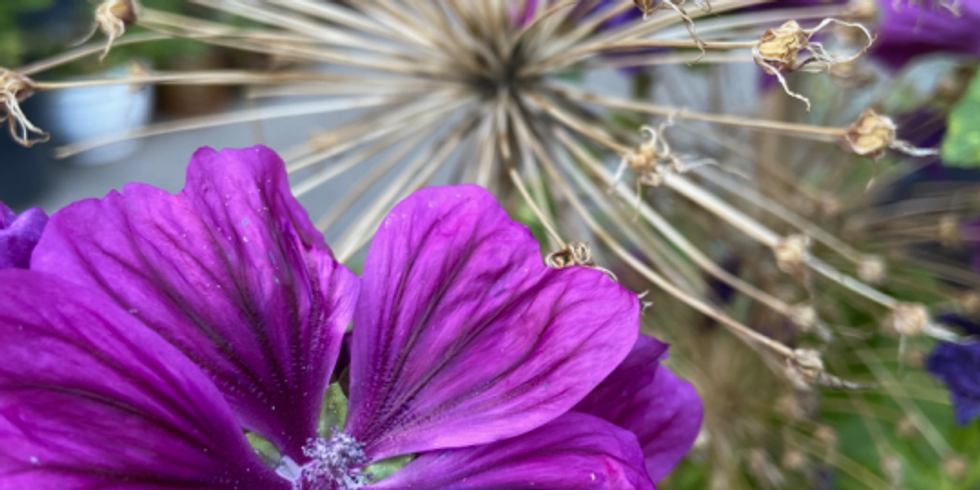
(92, 399)
(645, 398)
(575, 451)
(910, 30)
(462, 336)
(19, 235)
(958, 366)
(231, 271)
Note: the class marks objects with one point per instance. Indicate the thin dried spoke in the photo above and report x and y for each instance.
(218, 77)
(267, 113)
(898, 393)
(354, 135)
(656, 279)
(364, 184)
(415, 175)
(820, 133)
(676, 238)
(335, 169)
(737, 189)
(86, 51)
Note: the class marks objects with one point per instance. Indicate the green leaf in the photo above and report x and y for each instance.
(961, 146)
(334, 411)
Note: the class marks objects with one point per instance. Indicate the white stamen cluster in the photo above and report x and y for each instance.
(334, 464)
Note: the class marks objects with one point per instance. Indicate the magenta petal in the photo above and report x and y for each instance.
(645, 398)
(462, 336)
(575, 451)
(19, 235)
(231, 271)
(92, 399)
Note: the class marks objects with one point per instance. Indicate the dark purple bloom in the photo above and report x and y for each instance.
(195, 314)
(958, 366)
(19, 235)
(911, 29)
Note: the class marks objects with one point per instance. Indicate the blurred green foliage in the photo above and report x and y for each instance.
(961, 146)
(11, 38)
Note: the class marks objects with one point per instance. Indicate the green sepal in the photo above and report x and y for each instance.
(266, 451)
(384, 469)
(334, 411)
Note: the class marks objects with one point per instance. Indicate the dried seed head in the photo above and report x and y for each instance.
(906, 427)
(791, 253)
(14, 89)
(891, 467)
(115, 13)
(955, 467)
(871, 134)
(763, 469)
(791, 406)
(949, 231)
(575, 254)
(909, 319)
(645, 6)
(872, 269)
(779, 48)
(794, 460)
(969, 303)
(804, 369)
(805, 317)
(826, 435)
(112, 17)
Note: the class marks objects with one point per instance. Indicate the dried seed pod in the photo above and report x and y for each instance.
(955, 467)
(794, 460)
(112, 17)
(871, 134)
(910, 319)
(949, 231)
(654, 158)
(805, 316)
(14, 89)
(780, 47)
(575, 254)
(763, 470)
(791, 253)
(872, 269)
(874, 133)
(778, 51)
(891, 467)
(648, 8)
(826, 435)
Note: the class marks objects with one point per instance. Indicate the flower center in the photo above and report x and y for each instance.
(334, 464)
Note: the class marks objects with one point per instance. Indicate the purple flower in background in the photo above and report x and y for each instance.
(19, 235)
(958, 366)
(169, 322)
(909, 30)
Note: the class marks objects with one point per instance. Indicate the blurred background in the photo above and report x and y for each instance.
(913, 216)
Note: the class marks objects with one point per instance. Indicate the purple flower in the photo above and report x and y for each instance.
(155, 326)
(19, 235)
(910, 30)
(958, 366)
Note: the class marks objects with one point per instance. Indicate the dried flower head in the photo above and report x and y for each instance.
(14, 89)
(778, 51)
